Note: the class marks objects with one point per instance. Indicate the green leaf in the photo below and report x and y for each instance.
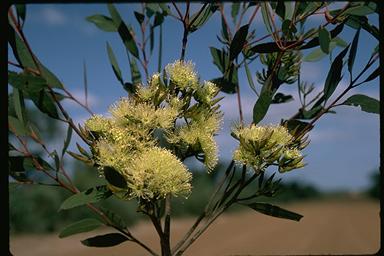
(135, 73)
(139, 17)
(266, 16)
(51, 78)
(318, 54)
(200, 18)
(91, 195)
(366, 103)
(102, 22)
(116, 219)
(235, 10)
(123, 31)
(352, 52)
(164, 7)
(44, 102)
(159, 19)
(334, 74)
(18, 167)
(362, 22)
(106, 240)
(262, 104)
(295, 126)
(372, 76)
(115, 65)
(26, 81)
(359, 10)
(269, 47)
(315, 41)
(249, 77)
(289, 10)
(24, 56)
(324, 39)
(81, 226)
(281, 98)
(339, 42)
(67, 140)
(17, 126)
(238, 42)
(18, 103)
(114, 177)
(274, 211)
(219, 58)
(21, 11)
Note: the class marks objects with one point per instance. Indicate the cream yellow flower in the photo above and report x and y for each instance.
(157, 172)
(182, 74)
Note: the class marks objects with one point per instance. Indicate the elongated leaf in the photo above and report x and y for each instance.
(352, 52)
(265, 12)
(315, 41)
(22, 53)
(67, 140)
(116, 219)
(81, 226)
(18, 167)
(159, 19)
(269, 47)
(295, 126)
(115, 65)
(339, 42)
(21, 11)
(135, 73)
(139, 17)
(372, 76)
(261, 106)
(324, 39)
(281, 98)
(289, 10)
(91, 195)
(18, 103)
(238, 42)
(106, 240)
(362, 21)
(360, 10)
(200, 18)
(334, 74)
(17, 126)
(51, 78)
(366, 103)
(274, 211)
(26, 82)
(219, 58)
(318, 54)
(123, 30)
(249, 77)
(44, 102)
(102, 22)
(114, 177)
(235, 10)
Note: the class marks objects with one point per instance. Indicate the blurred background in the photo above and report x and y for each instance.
(340, 184)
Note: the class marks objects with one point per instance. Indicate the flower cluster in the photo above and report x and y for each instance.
(266, 145)
(181, 110)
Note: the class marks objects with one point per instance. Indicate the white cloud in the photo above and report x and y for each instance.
(53, 16)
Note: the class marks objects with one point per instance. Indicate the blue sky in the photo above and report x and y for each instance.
(344, 148)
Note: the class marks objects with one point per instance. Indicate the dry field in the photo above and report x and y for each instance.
(329, 227)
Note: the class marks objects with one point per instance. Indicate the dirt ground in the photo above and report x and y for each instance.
(328, 227)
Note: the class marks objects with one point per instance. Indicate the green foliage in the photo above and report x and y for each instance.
(106, 240)
(81, 226)
(366, 103)
(274, 211)
(91, 195)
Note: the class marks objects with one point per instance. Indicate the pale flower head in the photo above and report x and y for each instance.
(156, 173)
(182, 74)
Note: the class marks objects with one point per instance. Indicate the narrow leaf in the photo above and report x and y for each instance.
(318, 54)
(67, 140)
(360, 10)
(201, 17)
(114, 177)
(102, 22)
(238, 42)
(249, 77)
(106, 240)
(324, 39)
(366, 103)
(218, 58)
(17, 126)
(43, 101)
(139, 17)
(274, 211)
(261, 106)
(266, 16)
(91, 195)
(235, 10)
(135, 73)
(123, 31)
(372, 76)
(315, 41)
(115, 65)
(51, 78)
(269, 47)
(21, 11)
(334, 74)
(352, 52)
(81, 226)
(18, 103)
